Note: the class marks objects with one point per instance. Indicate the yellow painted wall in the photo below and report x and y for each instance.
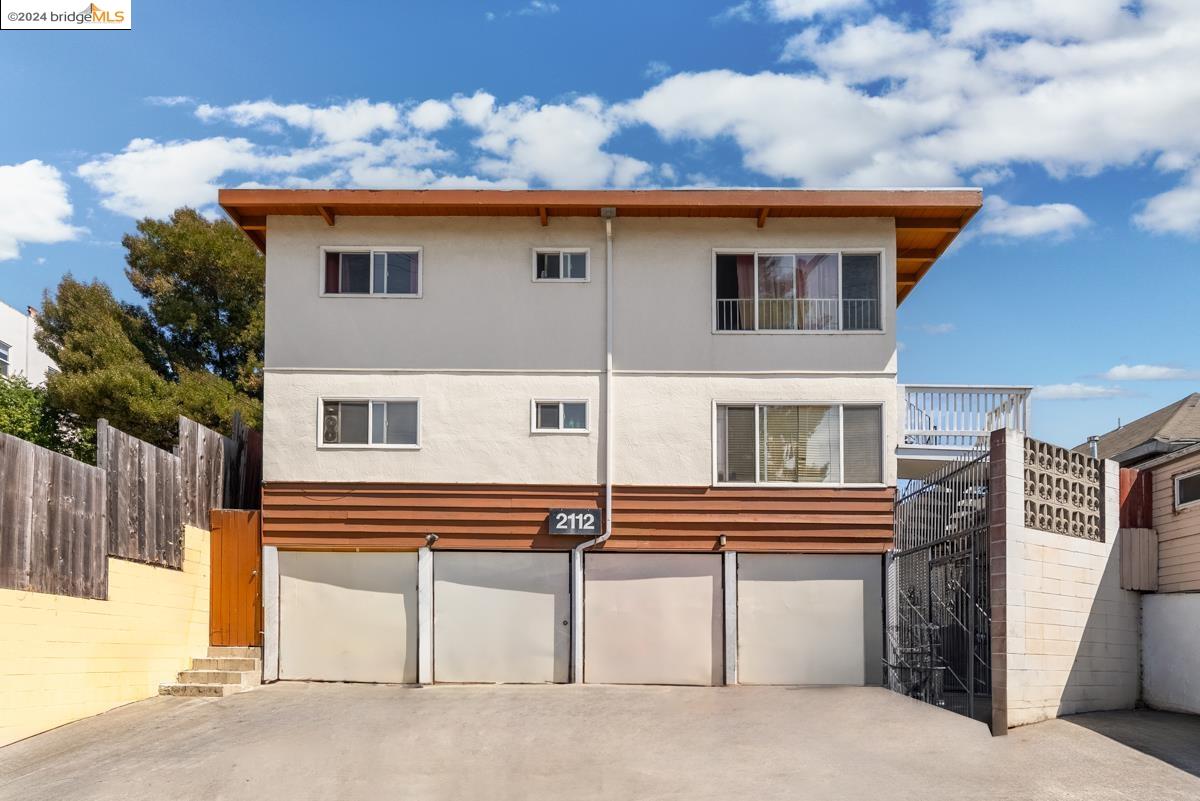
(62, 659)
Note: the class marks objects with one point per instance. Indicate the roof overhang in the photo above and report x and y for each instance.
(927, 220)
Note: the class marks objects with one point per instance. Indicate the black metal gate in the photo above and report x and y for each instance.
(939, 614)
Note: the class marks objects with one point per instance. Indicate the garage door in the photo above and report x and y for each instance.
(501, 617)
(809, 619)
(348, 616)
(653, 619)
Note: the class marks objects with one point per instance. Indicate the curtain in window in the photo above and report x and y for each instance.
(331, 272)
(776, 292)
(799, 444)
(817, 290)
(745, 289)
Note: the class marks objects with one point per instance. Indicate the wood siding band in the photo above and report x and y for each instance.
(311, 516)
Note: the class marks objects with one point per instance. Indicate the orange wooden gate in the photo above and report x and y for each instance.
(235, 584)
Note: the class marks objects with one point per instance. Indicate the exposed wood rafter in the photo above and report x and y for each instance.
(929, 224)
(762, 216)
(327, 214)
(544, 214)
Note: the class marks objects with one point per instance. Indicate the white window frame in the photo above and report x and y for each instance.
(371, 250)
(841, 405)
(587, 267)
(804, 251)
(5, 357)
(353, 446)
(587, 416)
(1175, 486)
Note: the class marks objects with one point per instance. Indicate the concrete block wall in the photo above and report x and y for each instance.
(62, 659)
(1071, 633)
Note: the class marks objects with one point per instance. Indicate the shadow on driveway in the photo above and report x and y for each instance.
(1173, 738)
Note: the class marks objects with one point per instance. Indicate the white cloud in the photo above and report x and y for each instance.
(1065, 19)
(937, 329)
(537, 8)
(337, 123)
(34, 207)
(1176, 211)
(152, 178)
(169, 100)
(804, 9)
(559, 145)
(657, 70)
(742, 12)
(1075, 391)
(1149, 372)
(1011, 221)
(431, 115)
(991, 175)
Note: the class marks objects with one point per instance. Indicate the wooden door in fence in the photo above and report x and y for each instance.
(235, 600)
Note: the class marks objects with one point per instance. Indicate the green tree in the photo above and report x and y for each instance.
(194, 349)
(25, 412)
(203, 285)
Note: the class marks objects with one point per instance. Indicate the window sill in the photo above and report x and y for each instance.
(792, 332)
(562, 280)
(371, 295)
(572, 431)
(366, 447)
(798, 485)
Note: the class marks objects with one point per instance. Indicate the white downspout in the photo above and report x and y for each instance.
(577, 552)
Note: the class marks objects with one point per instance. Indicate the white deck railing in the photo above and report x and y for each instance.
(797, 314)
(945, 416)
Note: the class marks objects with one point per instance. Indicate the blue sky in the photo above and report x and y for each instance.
(1080, 119)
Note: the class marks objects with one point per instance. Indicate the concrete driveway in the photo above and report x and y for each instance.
(336, 741)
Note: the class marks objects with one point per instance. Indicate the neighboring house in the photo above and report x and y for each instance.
(1161, 432)
(1160, 553)
(19, 353)
(447, 369)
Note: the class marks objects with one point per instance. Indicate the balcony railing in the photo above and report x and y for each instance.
(957, 417)
(797, 314)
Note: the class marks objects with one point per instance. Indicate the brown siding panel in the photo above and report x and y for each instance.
(513, 517)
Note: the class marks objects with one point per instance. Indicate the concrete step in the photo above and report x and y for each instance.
(198, 690)
(240, 678)
(238, 651)
(226, 663)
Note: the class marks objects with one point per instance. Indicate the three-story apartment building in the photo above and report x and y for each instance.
(698, 386)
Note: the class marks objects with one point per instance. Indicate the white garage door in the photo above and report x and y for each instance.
(653, 619)
(809, 619)
(348, 616)
(501, 617)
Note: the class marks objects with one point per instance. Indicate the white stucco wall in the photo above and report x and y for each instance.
(1171, 651)
(663, 302)
(24, 357)
(480, 308)
(475, 427)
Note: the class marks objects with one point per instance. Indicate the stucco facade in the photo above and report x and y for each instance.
(478, 340)
(19, 353)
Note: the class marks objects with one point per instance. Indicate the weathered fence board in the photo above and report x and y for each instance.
(202, 456)
(52, 522)
(145, 498)
(243, 467)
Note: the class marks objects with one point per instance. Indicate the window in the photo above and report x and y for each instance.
(781, 291)
(392, 272)
(370, 423)
(792, 443)
(560, 416)
(1187, 489)
(560, 265)
(3, 358)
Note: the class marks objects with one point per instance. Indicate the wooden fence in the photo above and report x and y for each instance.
(60, 518)
(145, 498)
(52, 522)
